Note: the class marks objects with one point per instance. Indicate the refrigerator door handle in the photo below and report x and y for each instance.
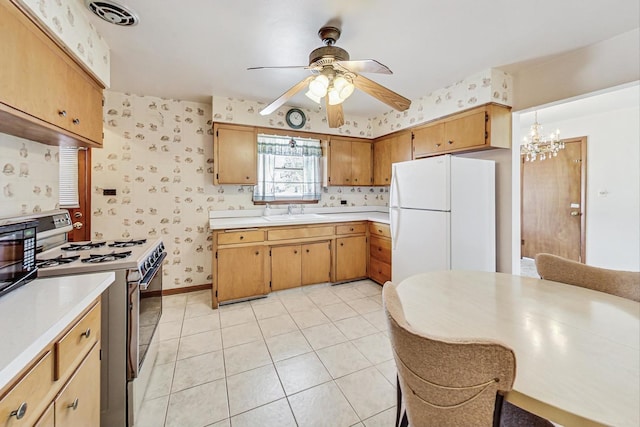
(394, 196)
(394, 215)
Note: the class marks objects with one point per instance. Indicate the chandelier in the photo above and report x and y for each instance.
(337, 87)
(535, 145)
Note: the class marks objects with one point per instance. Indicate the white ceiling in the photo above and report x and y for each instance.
(194, 49)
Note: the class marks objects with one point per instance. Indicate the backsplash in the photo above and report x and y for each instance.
(29, 177)
(158, 156)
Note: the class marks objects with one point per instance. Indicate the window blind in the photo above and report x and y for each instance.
(68, 192)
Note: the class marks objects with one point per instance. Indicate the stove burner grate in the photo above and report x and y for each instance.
(83, 246)
(59, 260)
(126, 243)
(93, 259)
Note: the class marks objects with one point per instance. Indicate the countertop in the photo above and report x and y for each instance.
(219, 220)
(34, 314)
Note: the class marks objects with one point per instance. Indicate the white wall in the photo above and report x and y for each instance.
(613, 184)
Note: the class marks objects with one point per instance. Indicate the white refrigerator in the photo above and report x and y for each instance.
(442, 215)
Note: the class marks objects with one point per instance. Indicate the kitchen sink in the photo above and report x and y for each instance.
(285, 218)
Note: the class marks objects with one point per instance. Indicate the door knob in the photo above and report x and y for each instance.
(77, 225)
(77, 214)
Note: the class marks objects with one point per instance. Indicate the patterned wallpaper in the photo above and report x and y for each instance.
(158, 155)
(29, 178)
(70, 22)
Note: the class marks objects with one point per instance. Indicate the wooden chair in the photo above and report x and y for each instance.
(446, 382)
(625, 284)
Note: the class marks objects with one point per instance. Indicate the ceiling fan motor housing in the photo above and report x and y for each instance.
(327, 54)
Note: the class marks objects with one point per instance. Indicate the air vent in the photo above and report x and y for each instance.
(112, 12)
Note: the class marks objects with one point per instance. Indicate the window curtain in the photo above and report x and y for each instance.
(269, 147)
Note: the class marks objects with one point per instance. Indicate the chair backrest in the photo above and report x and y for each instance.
(446, 382)
(625, 284)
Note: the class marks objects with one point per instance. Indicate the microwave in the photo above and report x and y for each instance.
(17, 254)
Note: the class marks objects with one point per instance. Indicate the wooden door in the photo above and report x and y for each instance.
(553, 203)
(81, 216)
(401, 148)
(361, 163)
(340, 162)
(382, 161)
(236, 155)
(78, 404)
(316, 263)
(427, 140)
(467, 131)
(241, 272)
(286, 270)
(351, 257)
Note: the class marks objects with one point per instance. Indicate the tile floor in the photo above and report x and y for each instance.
(312, 356)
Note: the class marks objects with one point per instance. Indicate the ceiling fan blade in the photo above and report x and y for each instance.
(285, 97)
(365, 66)
(335, 115)
(381, 93)
(279, 66)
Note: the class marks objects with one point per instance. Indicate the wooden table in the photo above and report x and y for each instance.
(577, 350)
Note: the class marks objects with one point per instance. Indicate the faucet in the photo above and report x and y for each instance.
(290, 209)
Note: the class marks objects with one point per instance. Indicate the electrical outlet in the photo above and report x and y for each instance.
(108, 191)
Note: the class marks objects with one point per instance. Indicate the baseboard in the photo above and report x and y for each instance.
(194, 288)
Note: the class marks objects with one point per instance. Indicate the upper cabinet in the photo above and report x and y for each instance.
(235, 154)
(45, 96)
(349, 162)
(388, 150)
(488, 126)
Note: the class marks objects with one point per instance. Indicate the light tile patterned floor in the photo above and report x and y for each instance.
(312, 356)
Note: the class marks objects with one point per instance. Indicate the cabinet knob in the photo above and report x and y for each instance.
(73, 405)
(347, 179)
(351, 229)
(379, 249)
(20, 412)
(241, 237)
(386, 179)
(257, 252)
(295, 252)
(76, 121)
(356, 180)
(247, 178)
(86, 333)
(307, 250)
(449, 142)
(341, 244)
(379, 231)
(62, 113)
(438, 145)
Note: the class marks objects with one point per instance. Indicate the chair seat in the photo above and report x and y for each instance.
(513, 416)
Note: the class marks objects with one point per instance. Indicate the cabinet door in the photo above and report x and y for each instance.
(316, 263)
(241, 272)
(286, 270)
(361, 163)
(382, 161)
(236, 155)
(47, 419)
(401, 148)
(351, 257)
(467, 131)
(84, 104)
(340, 162)
(428, 140)
(78, 404)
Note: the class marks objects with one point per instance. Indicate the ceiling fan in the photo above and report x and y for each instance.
(334, 77)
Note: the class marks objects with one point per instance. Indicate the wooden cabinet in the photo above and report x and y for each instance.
(44, 94)
(488, 126)
(379, 252)
(350, 162)
(66, 371)
(240, 272)
(388, 150)
(351, 258)
(235, 154)
(78, 404)
(297, 265)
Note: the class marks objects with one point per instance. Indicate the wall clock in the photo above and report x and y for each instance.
(295, 118)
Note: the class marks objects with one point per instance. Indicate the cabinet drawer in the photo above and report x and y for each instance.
(380, 249)
(379, 229)
(379, 271)
(32, 390)
(351, 229)
(76, 343)
(229, 238)
(299, 233)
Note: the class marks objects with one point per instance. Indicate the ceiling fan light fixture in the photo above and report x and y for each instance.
(313, 97)
(334, 97)
(343, 86)
(318, 86)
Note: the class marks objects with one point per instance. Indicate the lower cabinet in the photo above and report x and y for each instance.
(351, 258)
(379, 252)
(78, 404)
(241, 272)
(296, 265)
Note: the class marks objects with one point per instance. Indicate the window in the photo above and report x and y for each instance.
(288, 169)
(68, 194)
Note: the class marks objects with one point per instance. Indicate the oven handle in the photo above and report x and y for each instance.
(146, 280)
